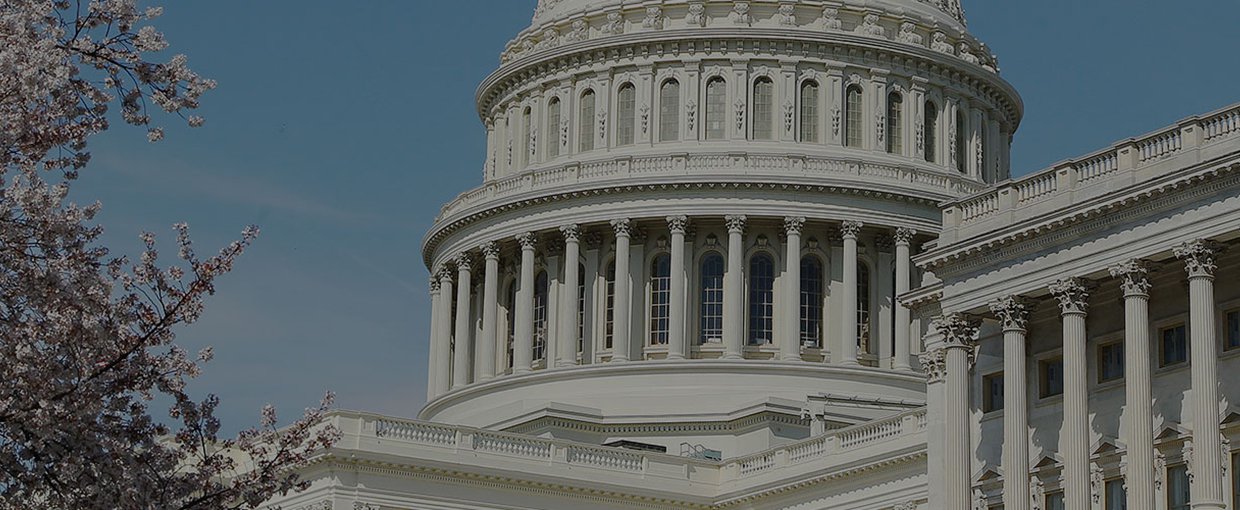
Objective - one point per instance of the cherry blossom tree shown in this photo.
(87, 339)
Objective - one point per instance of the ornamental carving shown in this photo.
(645, 116)
(1133, 277)
(740, 14)
(571, 233)
(920, 130)
(835, 120)
(787, 14)
(880, 121)
(789, 115)
(966, 54)
(445, 275)
(904, 236)
(580, 31)
(951, 141)
(697, 15)
(602, 125)
(528, 241)
(1073, 295)
(1012, 312)
(939, 43)
(909, 35)
(1160, 469)
(736, 224)
(623, 227)
(851, 229)
(615, 24)
(870, 27)
(1037, 492)
(1198, 257)
(1186, 452)
(550, 38)
(434, 284)
(1096, 482)
(490, 250)
(910, 505)
(319, 505)
(957, 330)
(358, 505)
(533, 141)
(934, 364)
(831, 21)
(678, 224)
(654, 18)
(794, 224)
(691, 113)
(464, 262)
(740, 115)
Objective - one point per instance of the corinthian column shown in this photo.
(523, 333)
(850, 230)
(733, 290)
(567, 344)
(1013, 313)
(433, 341)
(1139, 429)
(620, 343)
(790, 344)
(1198, 257)
(952, 362)
(904, 323)
(676, 345)
(443, 335)
(1073, 299)
(461, 356)
(484, 362)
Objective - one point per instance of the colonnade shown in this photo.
(463, 353)
(950, 363)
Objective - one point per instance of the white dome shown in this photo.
(948, 12)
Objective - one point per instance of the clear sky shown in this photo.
(341, 127)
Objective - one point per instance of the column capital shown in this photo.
(851, 229)
(794, 224)
(736, 223)
(1133, 277)
(434, 285)
(528, 240)
(1013, 312)
(1198, 256)
(957, 329)
(904, 236)
(623, 227)
(490, 250)
(464, 261)
(444, 273)
(934, 364)
(1073, 295)
(678, 224)
(572, 233)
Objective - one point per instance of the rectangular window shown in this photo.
(609, 321)
(763, 109)
(1116, 497)
(1235, 481)
(852, 116)
(992, 392)
(626, 122)
(1050, 377)
(1054, 501)
(1232, 338)
(1178, 495)
(716, 109)
(809, 112)
(1110, 362)
(1173, 345)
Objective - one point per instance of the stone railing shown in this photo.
(1191, 141)
(754, 167)
(469, 445)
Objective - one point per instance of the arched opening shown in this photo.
(711, 307)
(716, 109)
(764, 109)
(931, 130)
(553, 127)
(863, 307)
(895, 123)
(669, 111)
(626, 120)
(660, 299)
(609, 315)
(761, 299)
(586, 122)
(961, 141)
(852, 117)
(809, 112)
(540, 315)
(811, 301)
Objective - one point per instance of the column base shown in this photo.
(1209, 505)
(521, 370)
(675, 356)
(565, 364)
(791, 358)
(733, 356)
(850, 363)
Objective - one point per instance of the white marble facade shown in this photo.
(767, 254)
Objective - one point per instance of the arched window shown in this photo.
(716, 109)
(609, 320)
(553, 127)
(895, 123)
(660, 299)
(863, 306)
(809, 111)
(764, 109)
(811, 301)
(586, 121)
(961, 140)
(511, 304)
(581, 308)
(852, 117)
(527, 124)
(540, 315)
(712, 298)
(669, 111)
(761, 299)
(626, 120)
(931, 130)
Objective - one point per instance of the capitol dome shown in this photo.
(695, 216)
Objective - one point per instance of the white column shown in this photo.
(952, 362)
(523, 341)
(432, 371)
(790, 344)
(1207, 486)
(1013, 314)
(484, 358)
(733, 291)
(462, 353)
(443, 359)
(904, 323)
(848, 354)
(676, 345)
(1138, 431)
(1073, 299)
(621, 343)
(567, 343)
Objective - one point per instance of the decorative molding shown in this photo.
(1072, 294)
(1012, 312)
(1134, 277)
(678, 224)
(934, 364)
(794, 224)
(904, 236)
(571, 233)
(851, 229)
(736, 224)
(1199, 258)
(527, 240)
(623, 227)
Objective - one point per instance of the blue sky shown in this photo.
(341, 127)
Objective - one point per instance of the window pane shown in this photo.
(712, 298)
(626, 122)
(581, 308)
(1233, 330)
(1054, 501)
(931, 130)
(553, 128)
(863, 306)
(669, 111)
(716, 109)
(1177, 488)
(1174, 345)
(992, 396)
(527, 123)
(961, 140)
(763, 109)
(610, 318)
(660, 299)
(811, 302)
(1235, 481)
(809, 112)
(586, 122)
(761, 299)
(852, 117)
(1116, 497)
(1051, 382)
(1110, 362)
(895, 123)
(511, 304)
(540, 316)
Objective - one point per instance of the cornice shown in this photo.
(733, 425)
(916, 454)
